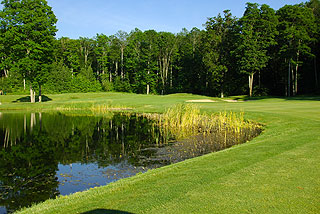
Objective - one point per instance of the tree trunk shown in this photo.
(222, 85)
(289, 78)
(6, 73)
(293, 81)
(171, 77)
(116, 68)
(259, 79)
(40, 95)
(148, 74)
(316, 73)
(122, 73)
(251, 84)
(296, 80)
(162, 75)
(85, 60)
(222, 91)
(32, 97)
(24, 84)
(295, 74)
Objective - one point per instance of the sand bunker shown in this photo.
(201, 101)
(212, 101)
(233, 101)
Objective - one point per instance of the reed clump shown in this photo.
(183, 121)
(190, 133)
(107, 108)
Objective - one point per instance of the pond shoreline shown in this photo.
(279, 161)
(72, 177)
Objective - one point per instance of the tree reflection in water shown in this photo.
(47, 154)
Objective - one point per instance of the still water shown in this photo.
(44, 155)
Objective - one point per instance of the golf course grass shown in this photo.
(277, 172)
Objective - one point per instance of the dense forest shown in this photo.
(265, 52)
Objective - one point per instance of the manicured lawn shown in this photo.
(277, 172)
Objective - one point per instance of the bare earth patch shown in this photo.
(201, 101)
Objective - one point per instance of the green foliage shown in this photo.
(81, 84)
(62, 80)
(121, 85)
(105, 82)
(67, 51)
(297, 28)
(215, 61)
(28, 30)
(12, 84)
(219, 41)
(259, 91)
(102, 50)
(59, 80)
(256, 37)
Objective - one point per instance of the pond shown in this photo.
(44, 155)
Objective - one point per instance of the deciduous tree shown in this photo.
(218, 47)
(257, 34)
(296, 27)
(29, 29)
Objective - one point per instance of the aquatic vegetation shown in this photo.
(113, 145)
(184, 121)
(103, 108)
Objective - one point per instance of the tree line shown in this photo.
(265, 52)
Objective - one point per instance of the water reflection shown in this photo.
(44, 155)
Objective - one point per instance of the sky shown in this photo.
(86, 18)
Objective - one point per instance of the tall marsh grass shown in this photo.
(183, 121)
(195, 134)
(186, 120)
(103, 108)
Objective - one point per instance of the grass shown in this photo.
(185, 120)
(277, 172)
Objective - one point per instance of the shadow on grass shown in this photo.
(27, 99)
(311, 98)
(299, 97)
(103, 211)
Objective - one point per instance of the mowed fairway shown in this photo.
(277, 172)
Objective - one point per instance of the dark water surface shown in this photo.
(43, 155)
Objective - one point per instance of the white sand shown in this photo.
(233, 101)
(201, 101)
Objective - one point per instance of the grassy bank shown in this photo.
(98, 101)
(277, 172)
